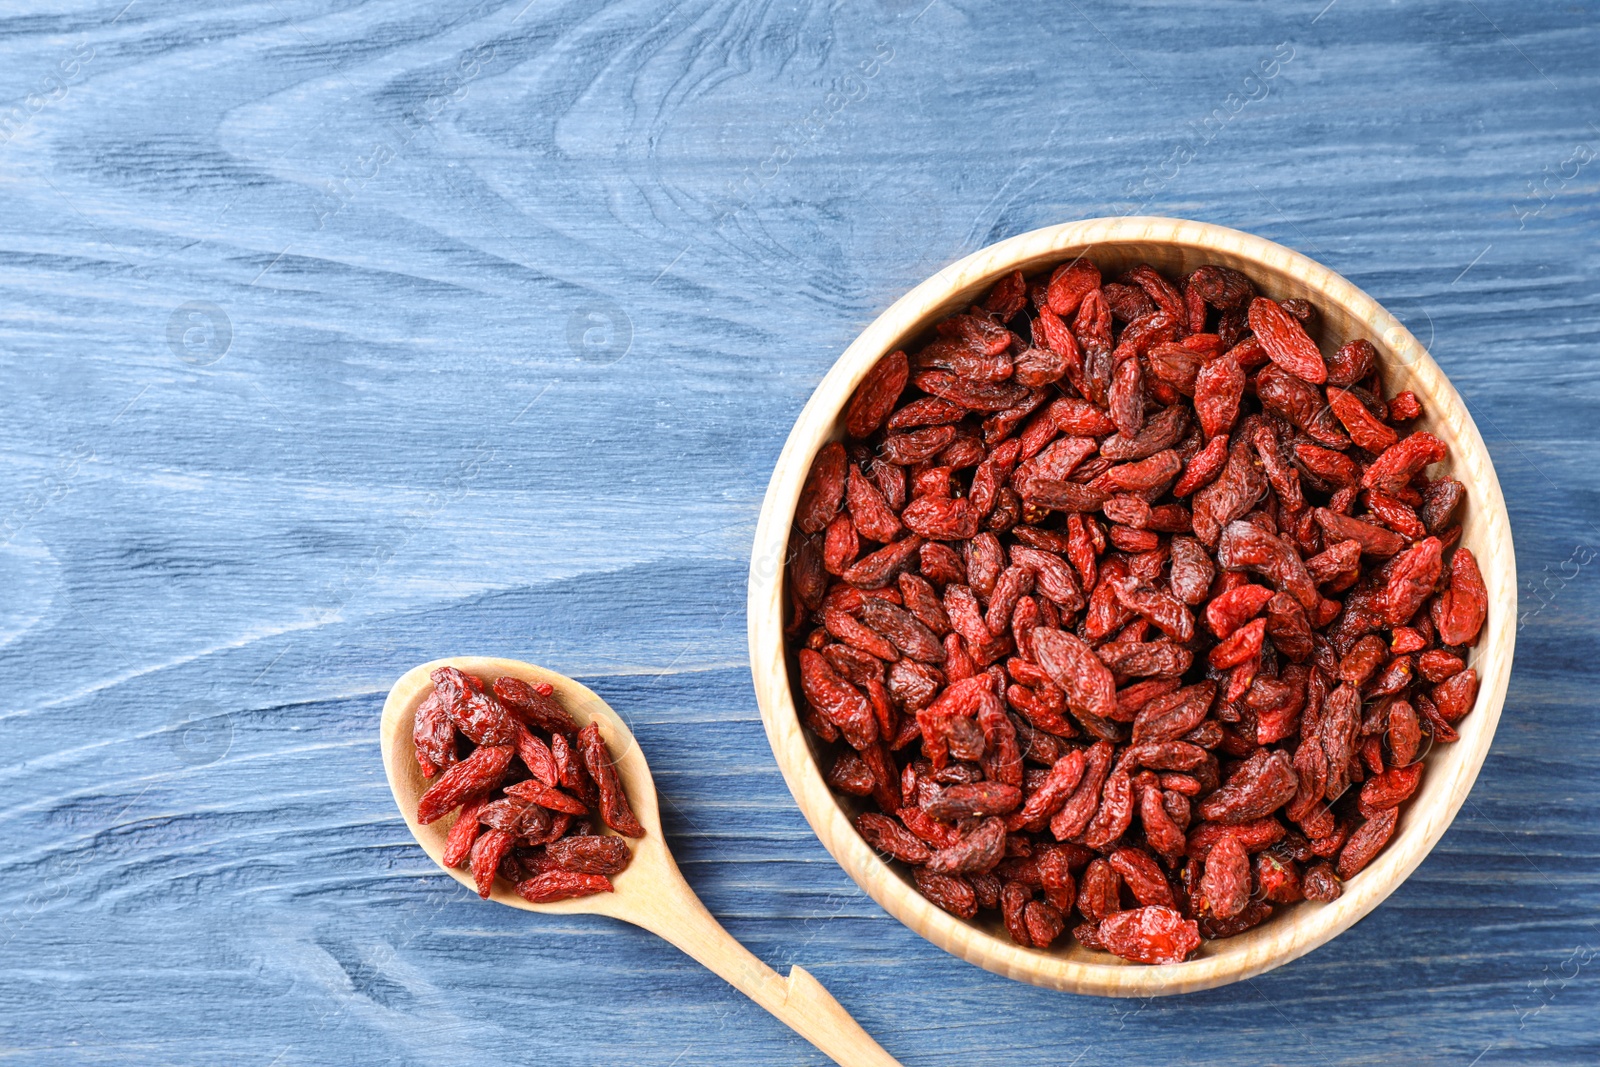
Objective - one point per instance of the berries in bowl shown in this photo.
(1123, 598)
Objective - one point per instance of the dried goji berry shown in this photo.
(1152, 934)
(475, 713)
(1246, 546)
(823, 489)
(1044, 921)
(1365, 843)
(1404, 733)
(1454, 696)
(1352, 362)
(1320, 883)
(614, 806)
(917, 446)
(1253, 836)
(1461, 609)
(1300, 404)
(1364, 428)
(1115, 813)
(1286, 341)
(487, 852)
(1260, 786)
(1278, 879)
(1072, 665)
(1169, 717)
(1436, 664)
(885, 834)
(1099, 894)
(552, 886)
(433, 736)
(536, 792)
(1230, 610)
(1070, 283)
(876, 395)
(569, 765)
(1412, 577)
(950, 892)
(1395, 514)
(878, 569)
(1014, 898)
(1402, 461)
(1142, 875)
(1389, 789)
(1234, 492)
(1055, 877)
(837, 701)
(473, 776)
(1405, 406)
(1225, 885)
(1251, 916)
(962, 801)
(463, 832)
(535, 708)
(869, 511)
(850, 774)
(1222, 287)
(590, 854)
(1439, 502)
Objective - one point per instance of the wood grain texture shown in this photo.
(1176, 247)
(213, 568)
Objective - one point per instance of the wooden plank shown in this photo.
(417, 222)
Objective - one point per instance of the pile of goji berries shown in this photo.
(1119, 598)
(529, 788)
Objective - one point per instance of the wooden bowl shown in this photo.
(1175, 247)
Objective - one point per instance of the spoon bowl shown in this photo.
(651, 892)
(651, 860)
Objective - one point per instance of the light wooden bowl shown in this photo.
(1175, 247)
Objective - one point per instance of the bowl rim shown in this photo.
(1274, 943)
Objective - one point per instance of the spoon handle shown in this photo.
(800, 1001)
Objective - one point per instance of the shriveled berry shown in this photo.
(876, 395)
(1277, 878)
(1462, 607)
(473, 776)
(1389, 789)
(590, 854)
(487, 852)
(552, 886)
(536, 707)
(823, 489)
(433, 736)
(1225, 885)
(948, 891)
(1286, 341)
(1070, 284)
(1365, 843)
(614, 806)
(472, 711)
(1454, 696)
(1142, 875)
(1321, 884)
(463, 832)
(887, 835)
(1152, 934)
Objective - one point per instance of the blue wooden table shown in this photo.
(337, 337)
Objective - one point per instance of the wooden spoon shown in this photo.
(651, 893)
